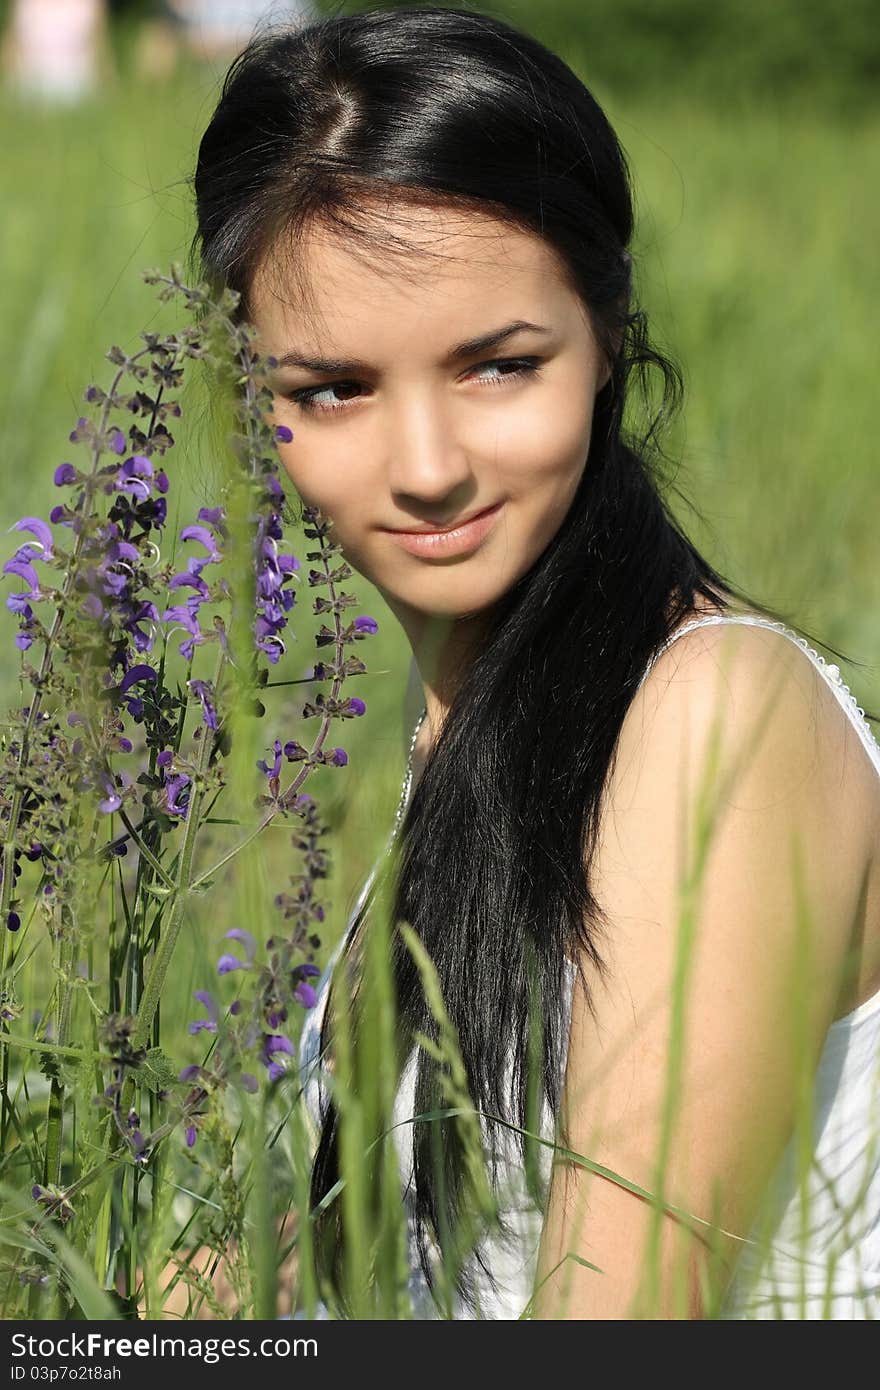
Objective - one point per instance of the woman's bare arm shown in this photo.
(780, 725)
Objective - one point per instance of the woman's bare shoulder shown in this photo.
(762, 691)
(735, 722)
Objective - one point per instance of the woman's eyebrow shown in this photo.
(483, 343)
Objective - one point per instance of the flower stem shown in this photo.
(55, 1119)
(289, 794)
(145, 851)
(161, 961)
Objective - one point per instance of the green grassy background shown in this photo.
(756, 262)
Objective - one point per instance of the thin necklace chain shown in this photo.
(407, 781)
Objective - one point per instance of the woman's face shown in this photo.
(411, 427)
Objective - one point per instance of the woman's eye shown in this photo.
(309, 397)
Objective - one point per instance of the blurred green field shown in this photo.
(756, 255)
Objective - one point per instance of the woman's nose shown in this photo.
(426, 458)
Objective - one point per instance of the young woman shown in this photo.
(427, 216)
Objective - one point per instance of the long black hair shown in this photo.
(456, 108)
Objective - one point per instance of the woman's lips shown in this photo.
(439, 544)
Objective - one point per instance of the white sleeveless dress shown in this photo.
(827, 1266)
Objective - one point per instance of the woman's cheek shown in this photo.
(288, 463)
(549, 436)
(306, 481)
(340, 511)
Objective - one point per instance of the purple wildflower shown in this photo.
(275, 1044)
(38, 528)
(228, 962)
(209, 1024)
(20, 566)
(202, 534)
(112, 800)
(133, 676)
(175, 786)
(191, 1072)
(138, 1145)
(273, 772)
(186, 615)
(133, 477)
(304, 993)
(273, 572)
(206, 695)
(247, 939)
(214, 516)
(92, 607)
